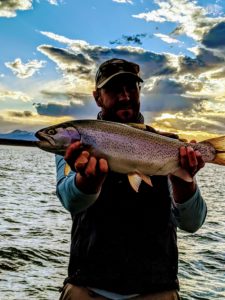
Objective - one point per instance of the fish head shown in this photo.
(57, 139)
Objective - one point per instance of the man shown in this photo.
(123, 243)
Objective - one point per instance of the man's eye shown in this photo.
(131, 86)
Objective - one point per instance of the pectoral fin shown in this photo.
(135, 180)
(66, 169)
(183, 174)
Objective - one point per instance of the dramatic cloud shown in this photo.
(205, 61)
(192, 20)
(73, 109)
(155, 101)
(213, 39)
(9, 120)
(79, 98)
(25, 70)
(172, 83)
(193, 122)
(81, 60)
(68, 61)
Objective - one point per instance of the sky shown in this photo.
(50, 51)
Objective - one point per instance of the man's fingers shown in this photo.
(103, 166)
(183, 157)
(91, 167)
(81, 162)
(192, 160)
(200, 160)
(71, 150)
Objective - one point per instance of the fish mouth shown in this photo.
(45, 139)
(45, 142)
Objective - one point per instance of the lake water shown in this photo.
(35, 232)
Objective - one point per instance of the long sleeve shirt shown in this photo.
(188, 216)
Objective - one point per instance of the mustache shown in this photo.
(124, 105)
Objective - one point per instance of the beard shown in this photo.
(122, 112)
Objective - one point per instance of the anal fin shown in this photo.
(135, 180)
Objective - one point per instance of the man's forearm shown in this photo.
(182, 190)
(70, 196)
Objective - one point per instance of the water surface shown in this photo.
(35, 232)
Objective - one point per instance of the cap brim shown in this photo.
(116, 74)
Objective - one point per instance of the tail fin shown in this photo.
(219, 144)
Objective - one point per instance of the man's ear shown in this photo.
(97, 97)
(139, 87)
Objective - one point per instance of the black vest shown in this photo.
(126, 241)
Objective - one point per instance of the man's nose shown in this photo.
(124, 94)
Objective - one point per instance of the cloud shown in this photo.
(154, 100)
(205, 61)
(25, 70)
(8, 8)
(135, 39)
(167, 38)
(191, 19)
(14, 95)
(213, 39)
(24, 114)
(173, 83)
(73, 109)
(123, 1)
(192, 122)
(62, 39)
(53, 2)
(11, 120)
(214, 9)
(80, 98)
(80, 60)
(68, 61)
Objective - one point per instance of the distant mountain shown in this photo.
(19, 135)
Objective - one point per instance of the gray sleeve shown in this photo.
(69, 195)
(190, 215)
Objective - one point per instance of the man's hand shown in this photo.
(90, 171)
(190, 160)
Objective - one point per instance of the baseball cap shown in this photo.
(115, 67)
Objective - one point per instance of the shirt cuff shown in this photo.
(189, 202)
(75, 192)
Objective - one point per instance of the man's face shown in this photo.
(119, 99)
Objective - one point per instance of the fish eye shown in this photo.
(51, 131)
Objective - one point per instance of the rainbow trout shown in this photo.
(129, 150)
